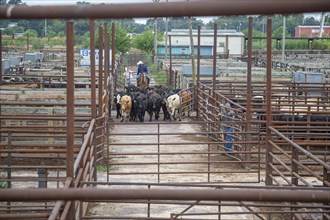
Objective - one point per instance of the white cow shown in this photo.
(126, 106)
(173, 103)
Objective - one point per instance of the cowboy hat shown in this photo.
(139, 63)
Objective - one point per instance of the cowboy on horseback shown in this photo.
(142, 69)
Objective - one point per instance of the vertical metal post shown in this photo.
(0, 62)
(42, 175)
(94, 141)
(155, 41)
(198, 68)
(208, 163)
(249, 95)
(227, 47)
(170, 70)
(149, 204)
(215, 55)
(198, 54)
(269, 159)
(106, 66)
(166, 35)
(9, 162)
(113, 53)
(92, 57)
(27, 42)
(283, 39)
(326, 177)
(100, 72)
(70, 97)
(108, 150)
(158, 150)
(70, 105)
(0, 74)
(294, 166)
(106, 56)
(219, 210)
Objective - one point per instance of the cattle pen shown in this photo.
(63, 154)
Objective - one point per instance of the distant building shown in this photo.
(229, 43)
(311, 31)
(12, 24)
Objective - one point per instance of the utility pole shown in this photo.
(45, 27)
(192, 51)
(155, 37)
(166, 33)
(322, 24)
(283, 38)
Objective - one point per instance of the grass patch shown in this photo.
(101, 168)
(160, 77)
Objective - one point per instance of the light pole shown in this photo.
(155, 37)
(166, 32)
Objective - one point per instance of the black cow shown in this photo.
(154, 104)
(134, 96)
(116, 100)
(141, 106)
(131, 88)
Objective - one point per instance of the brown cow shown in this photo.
(126, 106)
(185, 101)
(179, 102)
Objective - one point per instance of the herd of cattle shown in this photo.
(133, 102)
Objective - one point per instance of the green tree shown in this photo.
(81, 27)
(15, 2)
(11, 2)
(31, 33)
(123, 41)
(233, 22)
(279, 31)
(311, 21)
(145, 41)
(13, 30)
(83, 3)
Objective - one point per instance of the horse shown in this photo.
(143, 82)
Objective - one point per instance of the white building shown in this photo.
(228, 41)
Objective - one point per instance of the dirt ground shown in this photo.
(163, 211)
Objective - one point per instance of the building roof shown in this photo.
(206, 32)
(311, 26)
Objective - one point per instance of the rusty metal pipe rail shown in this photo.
(27, 145)
(84, 145)
(32, 167)
(185, 143)
(173, 9)
(171, 194)
(301, 165)
(217, 203)
(21, 131)
(182, 153)
(48, 104)
(305, 152)
(24, 216)
(55, 212)
(215, 185)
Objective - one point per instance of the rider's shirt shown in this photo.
(142, 69)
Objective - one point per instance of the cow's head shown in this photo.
(118, 98)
